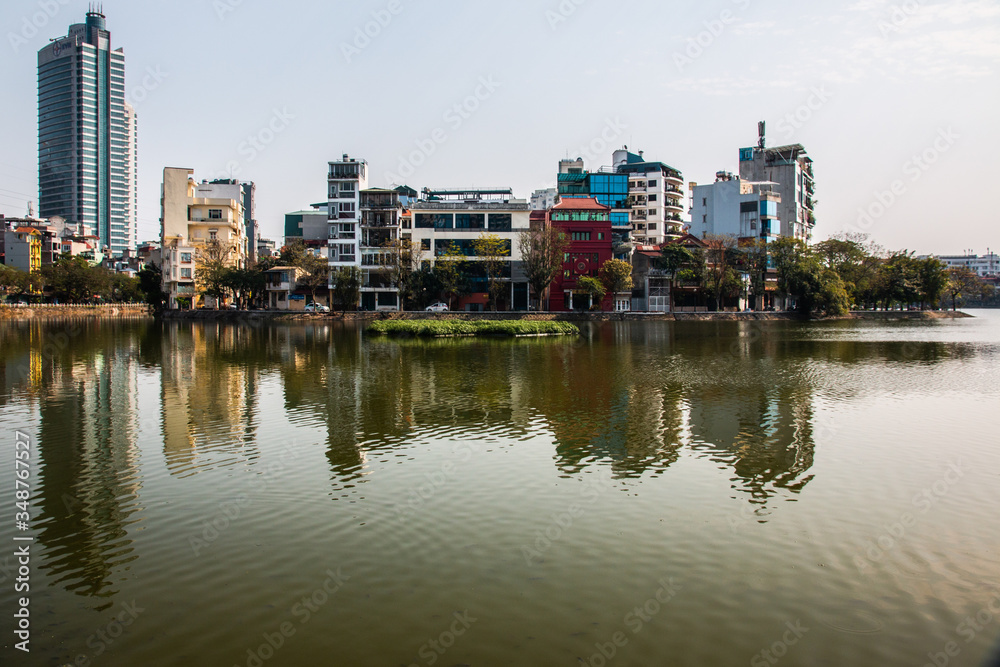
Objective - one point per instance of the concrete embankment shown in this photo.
(58, 311)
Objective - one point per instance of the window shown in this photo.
(470, 221)
(651, 227)
(704, 201)
(652, 212)
(186, 273)
(500, 222)
(185, 257)
(652, 184)
(652, 197)
(425, 244)
(434, 221)
(704, 218)
(215, 214)
(213, 235)
(600, 236)
(565, 257)
(581, 236)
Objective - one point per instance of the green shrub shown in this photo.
(469, 328)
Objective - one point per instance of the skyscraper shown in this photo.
(87, 134)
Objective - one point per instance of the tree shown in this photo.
(594, 287)
(720, 278)
(347, 287)
(14, 281)
(932, 277)
(800, 272)
(317, 273)
(754, 260)
(542, 253)
(492, 252)
(616, 274)
(832, 297)
(151, 286)
(74, 280)
(124, 288)
(425, 288)
(449, 271)
(961, 283)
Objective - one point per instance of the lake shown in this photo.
(649, 493)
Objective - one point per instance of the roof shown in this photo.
(283, 268)
(28, 230)
(686, 239)
(580, 204)
(645, 167)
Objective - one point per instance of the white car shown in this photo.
(317, 308)
(438, 307)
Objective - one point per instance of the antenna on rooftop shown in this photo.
(760, 134)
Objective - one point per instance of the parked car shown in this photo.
(438, 307)
(317, 308)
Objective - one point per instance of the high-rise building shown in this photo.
(87, 134)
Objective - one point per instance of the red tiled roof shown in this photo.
(580, 204)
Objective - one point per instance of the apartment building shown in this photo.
(199, 223)
(732, 206)
(445, 218)
(790, 169)
(586, 224)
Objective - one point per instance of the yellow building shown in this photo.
(23, 247)
(201, 223)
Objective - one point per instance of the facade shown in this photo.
(736, 207)
(249, 197)
(985, 266)
(282, 283)
(656, 200)
(543, 200)
(23, 249)
(645, 197)
(199, 223)
(346, 179)
(459, 217)
(790, 169)
(311, 226)
(587, 224)
(609, 189)
(266, 248)
(381, 220)
(87, 134)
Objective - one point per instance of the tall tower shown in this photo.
(87, 134)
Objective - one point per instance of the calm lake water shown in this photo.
(648, 494)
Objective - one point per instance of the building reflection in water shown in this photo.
(83, 378)
(209, 392)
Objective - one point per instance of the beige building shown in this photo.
(200, 223)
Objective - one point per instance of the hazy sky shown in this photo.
(896, 102)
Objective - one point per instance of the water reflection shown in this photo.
(83, 378)
(626, 397)
(208, 396)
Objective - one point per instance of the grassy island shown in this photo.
(440, 328)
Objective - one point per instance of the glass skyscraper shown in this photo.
(87, 135)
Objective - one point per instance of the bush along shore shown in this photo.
(447, 328)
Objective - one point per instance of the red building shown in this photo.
(587, 225)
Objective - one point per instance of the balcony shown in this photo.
(638, 215)
(346, 236)
(676, 190)
(343, 259)
(673, 205)
(673, 179)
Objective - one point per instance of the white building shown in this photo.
(791, 169)
(736, 207)
(459, 217)
(345, 181)
(543, 200)
(656, 197)
(981, 265)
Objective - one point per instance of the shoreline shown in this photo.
(367, 316)
(132, 311)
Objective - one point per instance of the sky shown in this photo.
(895, 102)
